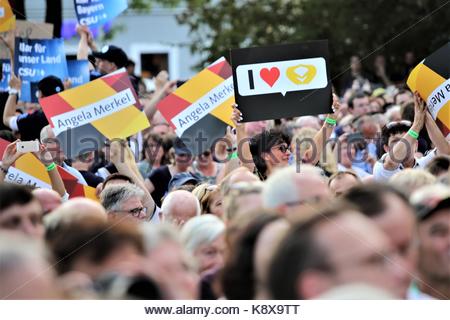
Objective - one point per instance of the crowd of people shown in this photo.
(350, 205)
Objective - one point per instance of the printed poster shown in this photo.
(200, 110)
(35, 59)
(282, 81)
(431, 78)
(95, 13)
(85, 117)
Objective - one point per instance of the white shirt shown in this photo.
(382, 174)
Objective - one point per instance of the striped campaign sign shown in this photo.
(83, 118)
(28, 170)
(200, 110)
(431, 78)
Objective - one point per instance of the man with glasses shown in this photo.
(124, 201)
(400, 143)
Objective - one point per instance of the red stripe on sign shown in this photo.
(3, 144)
(171, 106)
(53, 106)
(120, 82)
(217, 67)
(444, 129)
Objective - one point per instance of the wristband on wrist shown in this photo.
(413, 134)
(234, 155)
(330, 121)
(51, 166)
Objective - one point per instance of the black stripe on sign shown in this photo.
(250, 79)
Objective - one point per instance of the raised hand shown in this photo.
(10, 155)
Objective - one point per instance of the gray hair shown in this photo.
(156, 234)
(113, 196)
(281, 187)
(201, 230)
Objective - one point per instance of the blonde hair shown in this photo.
(205, 193)
(409, 180)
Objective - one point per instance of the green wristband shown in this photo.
(413, 134)
(51, 166)
(234, 155)
(330, 121)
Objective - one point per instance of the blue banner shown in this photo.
(5, 74)
(78, 72)
(35, 59)
(95, 13)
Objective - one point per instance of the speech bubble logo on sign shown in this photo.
(282, 76)
(282, 81)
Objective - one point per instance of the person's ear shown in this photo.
(386, 148)
(312, 283)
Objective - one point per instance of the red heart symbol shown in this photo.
(270, 76)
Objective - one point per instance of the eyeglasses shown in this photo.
(282, 147)
(392, 124)
(135, 212)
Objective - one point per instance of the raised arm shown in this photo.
(10, 155)
(403, 149)
(323, 134)
(158, 96)
(55, 178)
(11, 103)
(435, 134)
(243, 141)
(122, 158)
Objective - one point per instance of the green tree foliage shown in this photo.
(363, 27)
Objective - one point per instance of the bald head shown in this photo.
(48, 198)
(179, 206)
(75, 210)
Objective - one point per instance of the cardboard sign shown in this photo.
(29, 30)
(35, 59)
(5, 74)
(7, 17)
(78, 71)
(282, 81)
(29, 170)
(200, 110)
(95, 13)
(431, 78)
(83, 118)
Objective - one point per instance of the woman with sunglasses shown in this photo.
(270, 150)
(206, 168)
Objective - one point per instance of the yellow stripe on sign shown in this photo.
(31, 165)
(90, 193)
(412, 78)
(427, 80)
(199, 85)
(224, 111)
(90, 93)
(122, 124)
